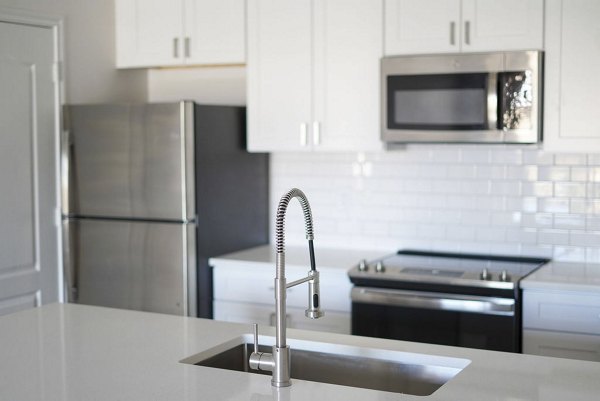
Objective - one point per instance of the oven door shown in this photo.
(460, 320)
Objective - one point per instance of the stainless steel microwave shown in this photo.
(486, 97)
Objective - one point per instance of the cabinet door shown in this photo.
(279, 74)
(572, 84)
(148, 33)
(214, 31)
(347, 49)
(422, 26)
(561, 345)
(491, 25)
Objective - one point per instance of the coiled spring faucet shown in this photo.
(278, 362)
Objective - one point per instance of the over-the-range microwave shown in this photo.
(484, 97)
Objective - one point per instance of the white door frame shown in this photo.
(56, 24)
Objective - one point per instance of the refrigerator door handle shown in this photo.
(70, 266)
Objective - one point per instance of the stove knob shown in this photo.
(485, 275)
(379, 267)
(504, 276)
(363, 266)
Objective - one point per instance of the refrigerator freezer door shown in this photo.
(133, 265)
(131, 161)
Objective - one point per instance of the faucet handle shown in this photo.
(255, 329)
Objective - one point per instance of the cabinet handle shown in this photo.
(316, 133)
(452, 33)
(303, 134)
(187, 46)
(468, 32)
(176, 47)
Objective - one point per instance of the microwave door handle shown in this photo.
(494, 97)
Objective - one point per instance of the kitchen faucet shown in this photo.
(278, 361)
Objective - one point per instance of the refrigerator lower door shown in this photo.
(144, 266)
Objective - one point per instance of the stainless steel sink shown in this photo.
(375, 369)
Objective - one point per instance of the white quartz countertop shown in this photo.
(564, 276)
(295, 256)
(75, 352)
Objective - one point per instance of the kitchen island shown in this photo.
(76, 352)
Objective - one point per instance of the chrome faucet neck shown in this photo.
(279, 360)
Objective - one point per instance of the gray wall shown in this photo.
(89, 49)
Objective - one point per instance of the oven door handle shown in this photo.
(435, 301)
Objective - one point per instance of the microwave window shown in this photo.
(438, 101)
(440, 107)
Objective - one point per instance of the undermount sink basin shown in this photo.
(369, 368)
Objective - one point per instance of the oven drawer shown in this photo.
(437, 318)
(562, 311)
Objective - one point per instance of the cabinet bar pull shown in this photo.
(468, 32)
(316, 133)
(176, 47)
(452, 33)
(187, 46)
(303, 134)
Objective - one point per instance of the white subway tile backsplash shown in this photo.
(526, 173)
(509, 188)
(580, 174)
(554, 205)
(570, 159)
(476, 156)
(583, 238)
(570, 189)
(493, 172)
(592, 255)
(475, 218)
(507, 156)
(594, 174)
(537, 220)
(553, 173)
(539, 189)
(522, 235)
(594, 159)
(553, 237)
(538, 158)
(475, 187)
(569, 221)
(505, 199)
(490, 234)
(569, 253)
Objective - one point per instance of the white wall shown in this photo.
(504, 199)
(89, 39)
(208, 85)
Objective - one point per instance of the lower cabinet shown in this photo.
(244, 293)
(243, 312)
(564, 324)
(561, 345)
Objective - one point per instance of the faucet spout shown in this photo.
(279, 360)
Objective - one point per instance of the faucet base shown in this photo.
(281, 375)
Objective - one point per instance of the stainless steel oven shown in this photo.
(487, 97)
(451, 299)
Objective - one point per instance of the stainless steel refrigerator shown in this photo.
(150, 192)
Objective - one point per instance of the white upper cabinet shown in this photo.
(215, 30)
(156, 33)
(422, 26)
(451, 26)
(148, 32)
(492, 25)
(572, 62)
(313, 75)
(279, 74)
